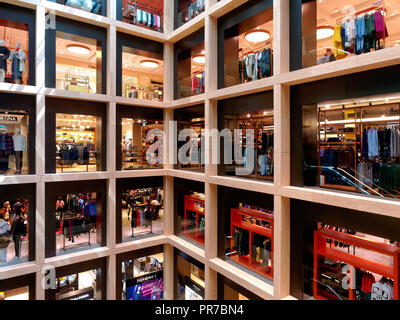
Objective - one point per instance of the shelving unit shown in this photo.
(260, 124)
(239, 220)
(194, 203)
(322, 250)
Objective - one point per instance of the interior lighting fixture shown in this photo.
(257, 35)
(78, 49)
(200, 59)
(149, 64)
(325, 32)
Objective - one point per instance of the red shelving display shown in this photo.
(323, 239)
(256, 223)
(194, 204)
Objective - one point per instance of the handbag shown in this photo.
(4, 242)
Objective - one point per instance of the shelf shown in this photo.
(258, 268)
(266, 232)
(357, 262)
(339, 187)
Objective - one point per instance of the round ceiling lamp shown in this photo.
(200, 59)
(78, 49)
(258, 35)
(149, 64)
(325, 32)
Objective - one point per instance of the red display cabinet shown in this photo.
(194, 217)
(240, 220)
(324, 240)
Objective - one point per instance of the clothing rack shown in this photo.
(267, 45)
(133, 5)
(379, 7)
(146, 7)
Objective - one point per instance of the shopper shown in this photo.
(4, 239)
(18, 231)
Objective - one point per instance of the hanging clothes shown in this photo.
(338, 43)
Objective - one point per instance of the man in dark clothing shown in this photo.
(18, 232)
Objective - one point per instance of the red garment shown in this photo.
(380, 26)
(195, 81)
(367, 282)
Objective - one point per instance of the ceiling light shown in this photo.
(78, 49)
(324, 32)
(150, 64)
(199, 59)
(257, 35)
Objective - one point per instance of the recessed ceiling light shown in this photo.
(199, 59)
(257, 35)
(150, 64)
(325, 32)
(78, 49)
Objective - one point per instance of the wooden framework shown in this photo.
(280, 82)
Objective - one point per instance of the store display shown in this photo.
(143, 208)
(349, 266)
(79, 286)
(198, 82)
(143, 278)
(192, 290)
(93, 6)
(189, 9)
(152, 92)
(359, 149)
(263, 125)
(18, 57)
(194, 154)
(76, 142)
(4, 55)
(140, 13)
(79, 62)
(252, 239)
(137, 136)
(13, 228)
(255, 64)
(360, 33)
(194, 217)
(13, 144)
(19, 148)
(76, 215)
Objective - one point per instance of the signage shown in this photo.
(193, 291)
(147, 287)
(83, 294)
(10, 118)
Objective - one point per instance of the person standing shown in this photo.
(18, 231)
(4, 241)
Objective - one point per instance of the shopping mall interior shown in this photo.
(110, 178)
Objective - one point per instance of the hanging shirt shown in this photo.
(360, 34)
(337, 41)
(380, 26)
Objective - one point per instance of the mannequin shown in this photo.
(19, 148)
(4, 54)
(17, 58)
